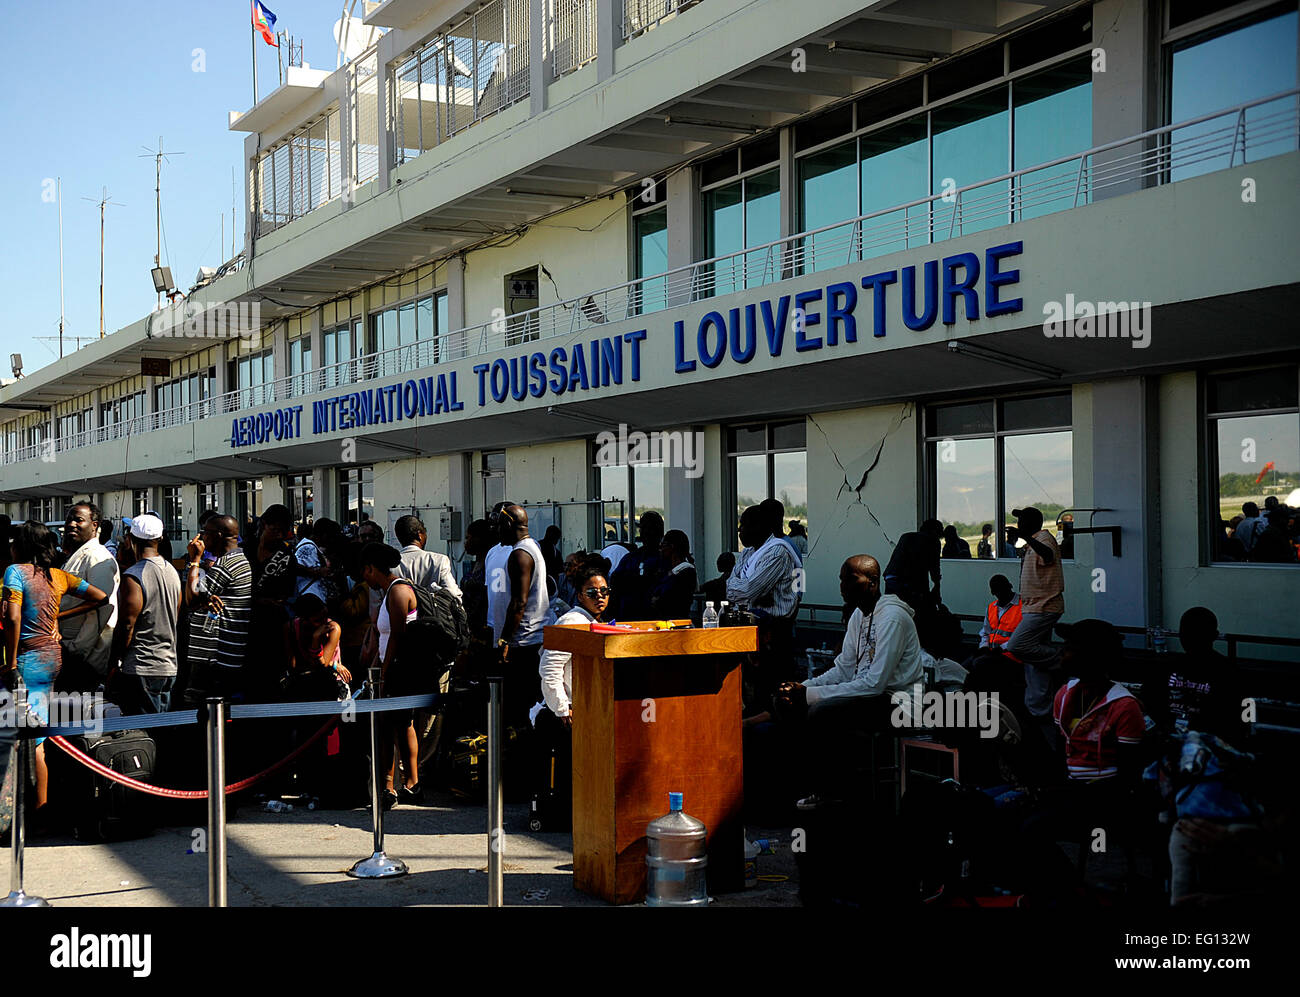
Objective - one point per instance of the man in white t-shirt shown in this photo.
(88, 638)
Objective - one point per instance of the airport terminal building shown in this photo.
(882, 261)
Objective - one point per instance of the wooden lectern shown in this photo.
(654, 712)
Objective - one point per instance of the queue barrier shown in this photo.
(214, 714)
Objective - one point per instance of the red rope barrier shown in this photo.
(188, 794)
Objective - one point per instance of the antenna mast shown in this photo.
(103, 203)
(60, 192)
(158, 158)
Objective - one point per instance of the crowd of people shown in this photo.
(302, 611)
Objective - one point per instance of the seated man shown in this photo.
(991, 666)
(880, 655)
(715, 589)
(1102, 725)
(1200, 691)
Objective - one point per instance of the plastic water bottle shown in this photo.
(675, 859)
(210, 623)
(710, 620)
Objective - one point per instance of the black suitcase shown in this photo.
(97, 808)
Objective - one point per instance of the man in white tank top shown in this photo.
(527, 612)
(495, 576)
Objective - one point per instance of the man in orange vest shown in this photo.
(1002, 616)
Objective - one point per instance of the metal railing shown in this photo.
(1262, 127)
(300, 173)
(640, 16)
(571, 35)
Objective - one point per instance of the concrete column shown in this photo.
(683, 231)
(251, 144)
(280, 351)
(609, 35)
(1125, 469)
(322, 499)
(684, 496)
(1125, 98)
(383, 79)
(346, 138)
(539, 55)
(456, 318)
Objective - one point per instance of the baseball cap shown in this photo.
(145, 527)
(1092, 634)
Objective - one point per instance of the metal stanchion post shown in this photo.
(18, 760)
(216, 719)
(378, 865)
(496, 834)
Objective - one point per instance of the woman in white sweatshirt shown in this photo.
(556, 667)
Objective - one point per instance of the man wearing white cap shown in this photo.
(145, 638)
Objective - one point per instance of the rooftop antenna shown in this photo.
(59, 182)
(103, 203)
(158, 158)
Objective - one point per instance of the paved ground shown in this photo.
(300, 859)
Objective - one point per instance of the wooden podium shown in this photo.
(654, 712)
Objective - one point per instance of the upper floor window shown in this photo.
(300, 383)
(183, 391)
(419, 321)
(742, 208)
(988, 457)
(1224, 65)
(649, 246)
(1253, 436)
(1031, 117)
(251, 375)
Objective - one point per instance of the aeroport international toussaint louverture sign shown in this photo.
(819, 318)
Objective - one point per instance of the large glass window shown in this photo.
(650, 234)
(739, 213)
(341, 348)
(1053, 118)
(173, 512)
(970, 142)
(356, 495)
(1235, 63)
(248, 506)
(769, 460)
(300, 366)
(893, 171)
(298, 495)
(1021, 119)
(626, 492)
(989, 457)
(1254, 442)
(208, 497)
(252, 376)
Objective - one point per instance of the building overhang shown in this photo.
(300, 85)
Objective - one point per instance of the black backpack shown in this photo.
(440, 628)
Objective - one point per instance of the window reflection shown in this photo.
(1038, 470)
(964, 486)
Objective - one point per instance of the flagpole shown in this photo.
(252, 37)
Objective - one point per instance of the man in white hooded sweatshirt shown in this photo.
(880, 655)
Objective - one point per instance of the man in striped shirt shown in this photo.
(221, 604)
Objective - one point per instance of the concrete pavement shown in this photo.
(300, 859)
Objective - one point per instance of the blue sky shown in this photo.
(89, 87)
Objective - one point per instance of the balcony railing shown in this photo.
(640, 16)
(1245, 133)
(571, 35)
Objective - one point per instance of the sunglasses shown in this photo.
(594, 593)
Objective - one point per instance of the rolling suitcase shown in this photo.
(97, 808)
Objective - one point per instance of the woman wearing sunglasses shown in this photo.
(556, 666)
(553, 779)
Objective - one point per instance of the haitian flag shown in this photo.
(263, 22)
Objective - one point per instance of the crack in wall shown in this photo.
(904, 413)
